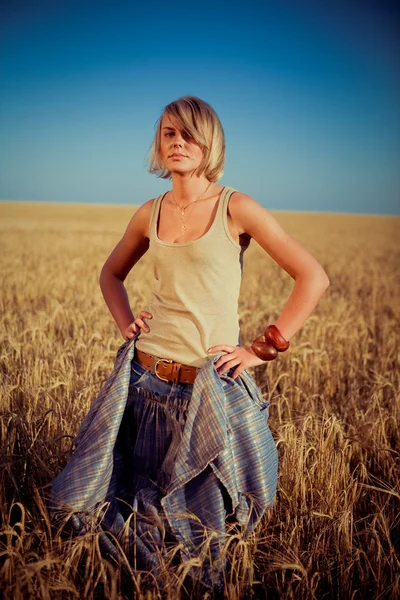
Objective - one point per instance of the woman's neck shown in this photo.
(187, 189)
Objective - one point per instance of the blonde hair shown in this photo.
(201, 122)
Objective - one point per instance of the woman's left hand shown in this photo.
(240, 357)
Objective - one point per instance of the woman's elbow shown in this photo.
(315, 274)
(108, 274)
(102, 277)
(317, 277)
(104, 270)
(322, 283)
(105, 275)
(318, 274)
(323, 279)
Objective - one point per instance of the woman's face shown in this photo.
(179, 152)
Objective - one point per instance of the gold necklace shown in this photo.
(184, 218)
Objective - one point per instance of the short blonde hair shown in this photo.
(201, 122)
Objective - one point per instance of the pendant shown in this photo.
(183, 228)
(183, 213)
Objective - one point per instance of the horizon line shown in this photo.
(126, 204)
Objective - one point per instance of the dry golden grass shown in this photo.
(334, 530)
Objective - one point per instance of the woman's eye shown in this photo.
(186, 136)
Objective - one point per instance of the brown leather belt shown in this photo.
(165, 368)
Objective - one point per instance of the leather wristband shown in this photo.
(274, 337)
(268, 345)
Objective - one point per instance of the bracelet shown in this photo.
(268, 345)
(263, 349)
(274, 337)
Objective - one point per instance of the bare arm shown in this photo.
(311, 281)
(132, 246)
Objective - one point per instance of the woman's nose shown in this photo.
(178, 139)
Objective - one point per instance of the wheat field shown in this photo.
(334, 530)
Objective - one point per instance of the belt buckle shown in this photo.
(166, 360)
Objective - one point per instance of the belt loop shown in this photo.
(176, 367)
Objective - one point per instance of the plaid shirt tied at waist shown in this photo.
(226, 428)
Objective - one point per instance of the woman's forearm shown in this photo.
(116, 298)
(301, 303)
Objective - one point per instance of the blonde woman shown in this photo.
(179, 436)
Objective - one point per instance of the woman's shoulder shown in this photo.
(245, 211)
(145, 209)
(147, 206)
(144, 214)
(140, 219)
(239, 197)
(240, 203)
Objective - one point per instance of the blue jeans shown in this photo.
(154, 419)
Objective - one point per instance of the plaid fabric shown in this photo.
(225, 450)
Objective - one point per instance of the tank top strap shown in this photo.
(223, 203)
(221, 218)
(155, 211)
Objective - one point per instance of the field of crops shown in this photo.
(334, 531)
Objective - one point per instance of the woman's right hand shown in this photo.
(139, 324)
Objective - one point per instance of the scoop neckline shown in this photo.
(157, 216)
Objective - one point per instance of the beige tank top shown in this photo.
(196, 291)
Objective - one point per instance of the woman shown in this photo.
(178, 438)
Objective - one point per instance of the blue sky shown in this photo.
(308, 93)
